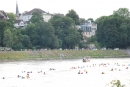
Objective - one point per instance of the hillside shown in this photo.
(62, 54)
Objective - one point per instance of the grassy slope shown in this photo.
(55, 54)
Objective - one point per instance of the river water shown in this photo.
(64, 73)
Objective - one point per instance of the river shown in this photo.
(64, 73)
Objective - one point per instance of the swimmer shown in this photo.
(103, 73)
(44, 73)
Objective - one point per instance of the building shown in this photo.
(26, 16)
(3, 15)
(89, 28)
(17, 14)
(47, 16)
(20, 24)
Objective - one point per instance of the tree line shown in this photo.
(113, 31)
(59, 32)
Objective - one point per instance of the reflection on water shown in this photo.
(65, 73)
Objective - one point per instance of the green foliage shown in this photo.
(3, 26)
(47, 38)
(91, 19)
(113, 31)
(17, 37)
(55, 54)
(26, 41)
(18, 46)
(123, 12)
(92, 39)
(82, 20)
(72, 14)
(116, 83)
(36, 18)
(31, 31)
(65, 31)
(83, 45)
(8, 38)
(11, 16)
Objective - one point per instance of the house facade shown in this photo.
(89, 28)
(20, 24)
(27, 15)
(47, 16)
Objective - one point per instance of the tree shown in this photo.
(65, 31)
(47, 38)
(91, 19)
(26, 41)
(18, 46)
(17, 39)
(100, 29)
(82, 20)
(31, 32)
(3, 26)
(128, 32)
(11, 16)
(72, 14)
(123, 12)
(8, 38)
(113, 31)
(92, 39)
(72, 39)
(123, 35)
(67, 22)
(36, 17)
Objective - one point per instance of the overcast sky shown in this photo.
(84, 8)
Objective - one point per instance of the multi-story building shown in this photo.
(89, 28)
(26, 16)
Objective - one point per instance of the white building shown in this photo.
(89, 28)
(47, 16)
(26, 16)
(20, 24)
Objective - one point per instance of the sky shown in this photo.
(84, 8)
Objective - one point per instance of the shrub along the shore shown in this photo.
(62, 54)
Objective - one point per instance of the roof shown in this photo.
(17, 21)
(3, 15)
(34, 10)
(28, 22)
(47, 14)
(59, 14)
